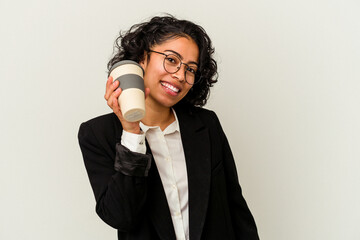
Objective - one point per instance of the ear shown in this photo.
(144, 61)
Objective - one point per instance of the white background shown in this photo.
(287, 97)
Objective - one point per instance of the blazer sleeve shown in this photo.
(118, 179)
(244, 225)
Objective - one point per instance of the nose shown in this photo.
(180, 74)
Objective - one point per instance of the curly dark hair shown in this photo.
(140, 38)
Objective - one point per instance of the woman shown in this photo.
(172, 175)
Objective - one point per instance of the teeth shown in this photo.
(171, 87)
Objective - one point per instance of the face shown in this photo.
(167, 89)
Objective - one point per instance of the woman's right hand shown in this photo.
(111, 96)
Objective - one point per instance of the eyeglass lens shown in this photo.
(172, 64)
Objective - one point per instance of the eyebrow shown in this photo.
(181, 57)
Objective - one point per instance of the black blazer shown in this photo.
(134, 201)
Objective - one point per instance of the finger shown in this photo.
(116, 109)
(110, 87)
(114, 97)
(109, 81)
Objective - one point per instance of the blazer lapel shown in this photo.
(196, 143)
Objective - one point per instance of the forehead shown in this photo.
(185, 47)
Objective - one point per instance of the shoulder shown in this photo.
(196, 115)
(101, 121)
(102, 127)
(207, 116)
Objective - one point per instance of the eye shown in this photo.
(172, 60)
(191, 69)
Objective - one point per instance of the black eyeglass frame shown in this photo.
(181, 63)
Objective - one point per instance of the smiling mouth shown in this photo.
(170, 87)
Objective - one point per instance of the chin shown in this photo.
(169, 101)
(169, 104)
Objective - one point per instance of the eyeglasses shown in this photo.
(172, 64)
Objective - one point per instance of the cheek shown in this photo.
(160, 71)
(154, 72)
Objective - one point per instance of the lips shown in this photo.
(170, 87)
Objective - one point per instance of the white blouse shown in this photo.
(167, 149)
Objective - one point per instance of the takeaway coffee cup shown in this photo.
(132, 99)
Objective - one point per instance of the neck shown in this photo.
(158, 116)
